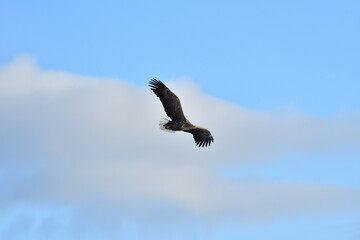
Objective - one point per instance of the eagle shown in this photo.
(178, 122)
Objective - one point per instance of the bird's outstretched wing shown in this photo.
(202, 136)
(170, 101)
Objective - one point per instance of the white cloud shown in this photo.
(68, 139)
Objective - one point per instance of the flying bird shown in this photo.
(178, 122)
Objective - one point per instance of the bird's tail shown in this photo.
(163, 121)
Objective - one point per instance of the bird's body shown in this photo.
(178, 122)
(178, 125)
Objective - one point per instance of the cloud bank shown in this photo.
(69, 140)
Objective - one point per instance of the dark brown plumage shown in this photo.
(173, 109)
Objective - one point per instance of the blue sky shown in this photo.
(276, 82)
(303, 53)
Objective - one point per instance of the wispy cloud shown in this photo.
(68, 139)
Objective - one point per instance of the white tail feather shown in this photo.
(162, 122)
